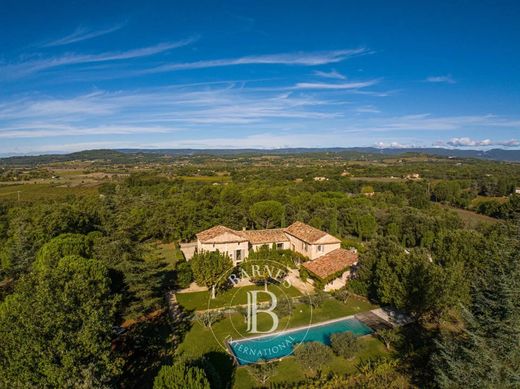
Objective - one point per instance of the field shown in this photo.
(472, 219)
(42, 191)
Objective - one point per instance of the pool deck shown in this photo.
(373, 321)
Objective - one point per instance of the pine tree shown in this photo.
(486, 354)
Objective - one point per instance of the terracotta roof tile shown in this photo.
(332, 263)
(310, 234)
(211, 235)
(264, 236)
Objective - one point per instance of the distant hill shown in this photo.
(494, 154)
(140, 155)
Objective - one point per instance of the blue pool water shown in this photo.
(251, 350)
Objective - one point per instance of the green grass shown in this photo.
(166, 252)
(471, 219)
(235, 296)
(482, 199)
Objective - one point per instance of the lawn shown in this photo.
(238, 296)
(167, 252)
(471, 219)
(201, 341)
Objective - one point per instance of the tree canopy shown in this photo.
(57, 327)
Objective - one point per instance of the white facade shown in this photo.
(237, 251)
(279, 245)
(238, 244)
(312, 251)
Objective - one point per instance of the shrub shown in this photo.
(388, 336)
(208, 318)
(315, 300)
(342, 295)
(345, 344)
(313, 355)
(263, 371)
(184, 274)
(284, 307)
(304, 274)
(180, 376)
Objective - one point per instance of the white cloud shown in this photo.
(301, 58)
(332, 74)
(345, 85)
(82, 34)
(447, 79)
(392, 145)
(468, 142)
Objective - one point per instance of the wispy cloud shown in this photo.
(229, 115)
(367, 109)
(46, 130)
(301, 58)
(158, 110)
(447, 79)
(82, 34)
(20, 69)
(428, 122)
(345, 85)
(332, 74)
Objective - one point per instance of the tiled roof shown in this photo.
(332, 263)
(264, 236)
(302, 231)
(224, 233)
(310, 234)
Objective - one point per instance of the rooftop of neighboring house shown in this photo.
(310, 234)
(332, 263)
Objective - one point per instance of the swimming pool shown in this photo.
(279, 345)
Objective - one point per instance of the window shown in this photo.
(306, 246)
(279, 246)
(320, 247)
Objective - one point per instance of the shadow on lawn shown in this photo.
(149, 344)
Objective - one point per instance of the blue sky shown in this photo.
(80, 75)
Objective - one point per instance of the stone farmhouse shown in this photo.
(327, 260)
